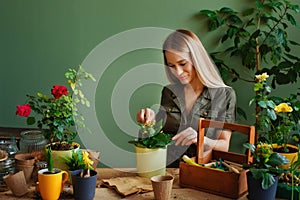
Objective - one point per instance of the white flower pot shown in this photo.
(150, 162)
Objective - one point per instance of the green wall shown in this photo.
(40, 40)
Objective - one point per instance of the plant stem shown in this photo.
(50, 160)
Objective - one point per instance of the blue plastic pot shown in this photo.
(255, 190)
(84, 188)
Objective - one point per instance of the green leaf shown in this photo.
(30, 120)
(208, 13)
(267, 181)
(262, 104)
(268, 89)
(294, 8)
(271, 113)
(282, 79)
(227, 10)
(232, 30)
(259, 5)
(291, 19)
(255, 34)
(277, 159)
(285, 65)
(258, 173)
(249, 146)
(270, 104)
(234, 19)
(224, 38)
(213, 24)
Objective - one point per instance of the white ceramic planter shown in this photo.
(150, 162)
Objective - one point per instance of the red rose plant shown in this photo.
(58, 115)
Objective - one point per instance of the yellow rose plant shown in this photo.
(277, 119)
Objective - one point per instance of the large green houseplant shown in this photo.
(256, 36)
(57, 115)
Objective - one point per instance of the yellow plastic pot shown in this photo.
(293, 157)
(51, 185)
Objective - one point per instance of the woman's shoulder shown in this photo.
(172, 88)
(228, 91)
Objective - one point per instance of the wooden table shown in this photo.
(103, 192)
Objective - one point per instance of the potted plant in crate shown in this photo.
(151, 149)
(57, 115)
(277, 119)
(51, 180)
(262, 177)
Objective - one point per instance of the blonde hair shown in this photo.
(187, 42)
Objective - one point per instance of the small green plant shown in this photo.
(151, 136)
(49, 160)
(265, 163)
(79, 160)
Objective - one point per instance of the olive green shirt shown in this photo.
(213, 103)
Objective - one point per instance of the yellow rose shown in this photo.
(283, 107)
(262, 77)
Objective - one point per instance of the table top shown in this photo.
(103, 192)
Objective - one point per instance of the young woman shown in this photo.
(196, 90)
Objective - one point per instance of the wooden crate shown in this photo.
(223, 183)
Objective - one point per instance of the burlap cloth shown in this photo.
(129, 185)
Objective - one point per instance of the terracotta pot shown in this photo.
(24, 159)
(162, 186)
(16, 183)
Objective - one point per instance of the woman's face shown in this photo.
(181, 66)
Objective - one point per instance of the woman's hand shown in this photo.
(186, 137)
(145, 115)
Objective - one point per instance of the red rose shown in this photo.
(23, 110)
(59, 90)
